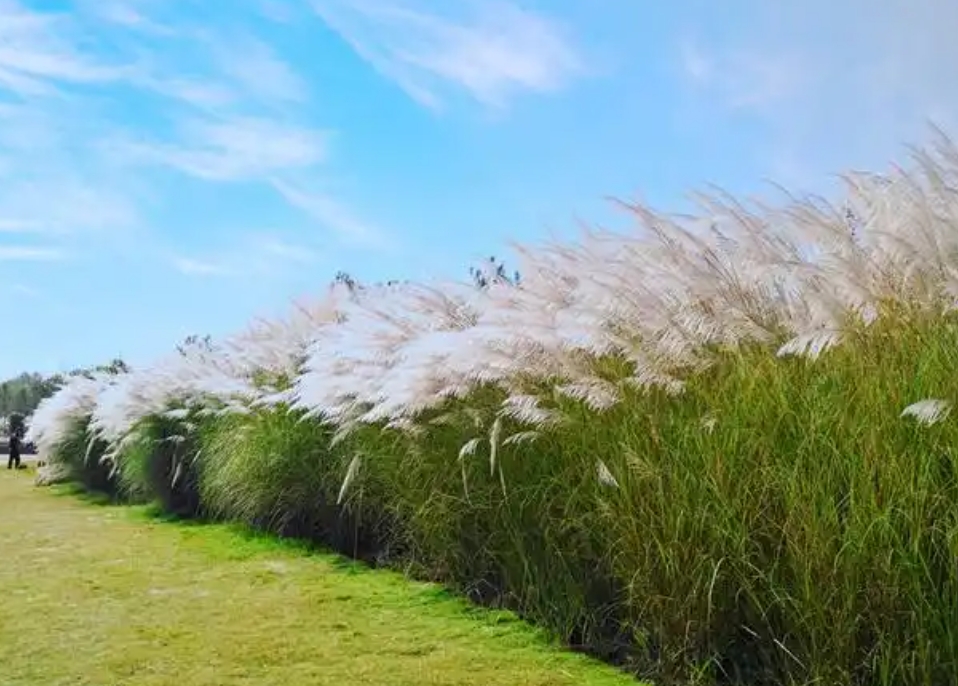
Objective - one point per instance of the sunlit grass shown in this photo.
(95, 594)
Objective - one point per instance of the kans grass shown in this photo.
(716, 449)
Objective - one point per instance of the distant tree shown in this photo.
(489, 272)
(346, 279)
(16, 425)
(113, 367)
(22, 398)
(195, 341)
(492, 272)
(24, 392)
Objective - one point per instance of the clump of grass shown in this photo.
(157, 463)
(781, 521)
(81, 456)
(778, 522)
(511, 525)
(279, 472)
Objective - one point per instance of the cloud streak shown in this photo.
(237, 148)
(490, 51)
(831, 81)
(258, 71)
(40, 51)
(259, 253)
(222, 106)
(330, 213)
(196, 267)
(740, 79)
(25, 253)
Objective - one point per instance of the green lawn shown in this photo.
(103, 595)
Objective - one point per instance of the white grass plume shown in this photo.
(660, 299)
(56, 416)
(929, 411)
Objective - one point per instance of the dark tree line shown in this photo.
(23, 393)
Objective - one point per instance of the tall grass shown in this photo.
(79, 455)
(274, 471)
(781, 519)
(718, 450)
(157, 462)
(61, 428)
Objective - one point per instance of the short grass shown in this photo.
(96, 594)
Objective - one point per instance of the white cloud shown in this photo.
(258, 70)
(236, 148)
(75, 163)
(20, 226)
(25, 253)
(195, 267)
(490, 51)
(331, 214)
(259, 253)
(276, 10)
(833, 81)
(289, 252)
(38, 50)
(742, 79)
(22, 289)
(124, 13)
(202, 94)
(697, 66)
(51, 180)
(66, 205)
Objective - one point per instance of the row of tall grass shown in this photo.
(717, 450)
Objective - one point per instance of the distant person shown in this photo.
(14, 460)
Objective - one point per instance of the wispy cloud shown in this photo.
(222, 105)
(289, 252)
(20, 226)
(257, 253)
(52, 181)
(24, 290)
(37, 51)
(25, 253)
(742, 79)
(195, 267)
(832, 81)
(258, 71)
(127, 14)
(65, 204)
(237, 148)
(203, 95)
(331, 214)
(491, 51)
(276, 10)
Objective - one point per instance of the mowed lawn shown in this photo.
(102, 595)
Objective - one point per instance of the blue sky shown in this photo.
(170, 167)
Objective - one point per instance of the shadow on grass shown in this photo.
(246, 542)
(265, 541)
(258, 542)
(85, 495)
(260, 539)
